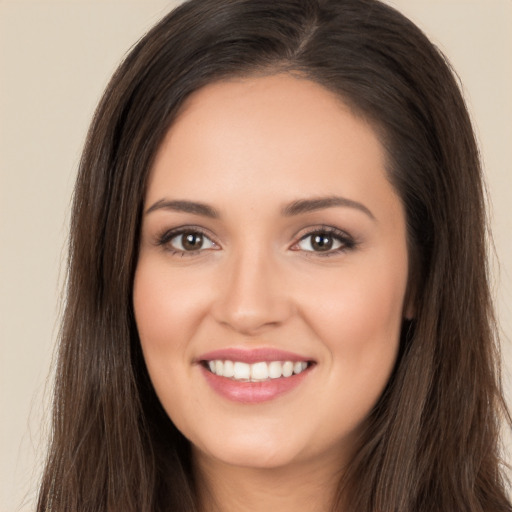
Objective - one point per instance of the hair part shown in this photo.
(431, 442)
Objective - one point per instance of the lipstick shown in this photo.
(253, 375)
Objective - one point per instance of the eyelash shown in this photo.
(347, 242)
(164, 239)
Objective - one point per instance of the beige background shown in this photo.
(55, 59)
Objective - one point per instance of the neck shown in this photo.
(308, 487)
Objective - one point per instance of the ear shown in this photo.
(409, 312)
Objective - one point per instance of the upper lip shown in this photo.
(254, 355)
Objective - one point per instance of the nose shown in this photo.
(252, 295)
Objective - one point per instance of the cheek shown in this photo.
(167, 306)
(365, 312)
(167, 312)
(168, 309)
(361, 304)
(359, 321)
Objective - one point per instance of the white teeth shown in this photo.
(229, 370)
(275, 369)
(256, 372)
(259, 371)
(241, 371)
(287, 369)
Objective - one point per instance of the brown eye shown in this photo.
(190, 241)
(322, 242)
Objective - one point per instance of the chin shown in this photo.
(253, 449)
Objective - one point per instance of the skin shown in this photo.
(248, 148)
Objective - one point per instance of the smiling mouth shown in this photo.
(256, 372)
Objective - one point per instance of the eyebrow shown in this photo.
(297, 207)
(186, 207)
(310, 205)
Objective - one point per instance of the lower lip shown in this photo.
(253, 392)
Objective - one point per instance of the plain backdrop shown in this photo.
(55, 59)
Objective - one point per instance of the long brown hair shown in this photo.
(431, 443)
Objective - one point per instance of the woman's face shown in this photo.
(269, 290)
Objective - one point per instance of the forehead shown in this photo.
(262, 134)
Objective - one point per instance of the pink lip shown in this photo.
(250, 356)
(253, 392)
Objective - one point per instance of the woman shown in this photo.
(277, 293)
